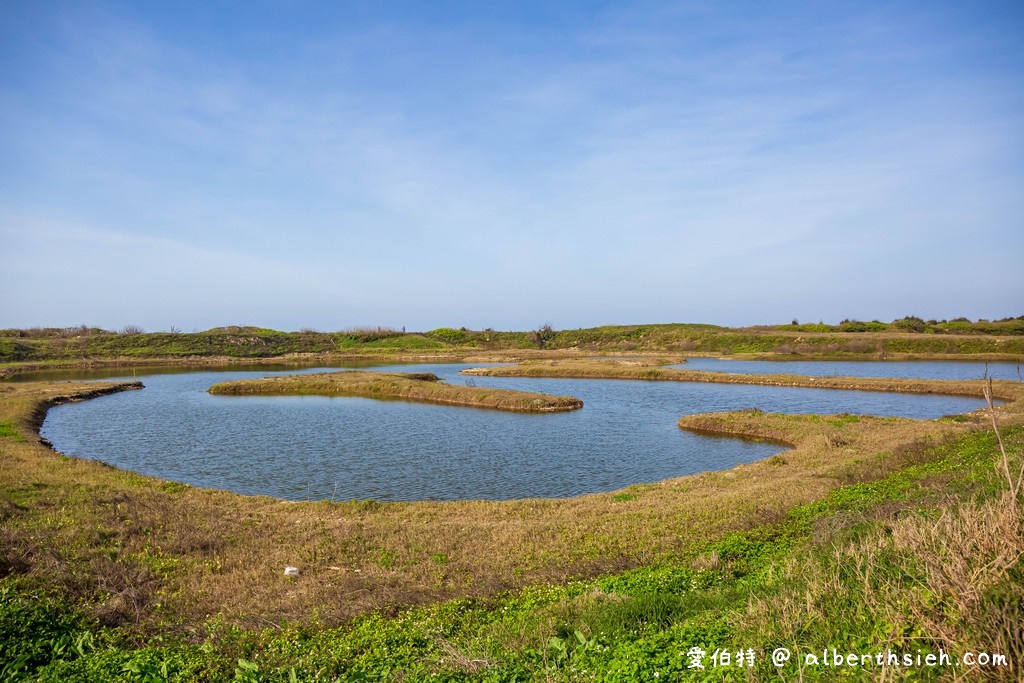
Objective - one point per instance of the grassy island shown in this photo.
(421, 387)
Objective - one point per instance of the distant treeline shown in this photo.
(911, 323)
(908, 335)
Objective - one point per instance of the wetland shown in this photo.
(620, 565)
(307, 446)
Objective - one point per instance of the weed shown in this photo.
(8, 430)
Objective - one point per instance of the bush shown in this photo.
(449, 334)
(909, 323)
(542, 335)
(853, 326)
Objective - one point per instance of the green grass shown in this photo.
(9, 431)
(850, 339)
(727, 595)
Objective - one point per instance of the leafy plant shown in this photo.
(542, 335)
(449, 335)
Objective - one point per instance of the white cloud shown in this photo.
(604, 168)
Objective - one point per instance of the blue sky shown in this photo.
(424, 164)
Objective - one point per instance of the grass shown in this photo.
(178, 583)
(997, 340)
(423, 387)
(849, 571)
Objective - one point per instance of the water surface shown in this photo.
(343, 448)
(963, 370)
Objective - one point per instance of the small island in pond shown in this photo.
(421, 387)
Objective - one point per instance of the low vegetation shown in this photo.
(423, 387)
(867, 535)
(909, 336)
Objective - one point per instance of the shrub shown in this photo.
(909, 323)
(449, 334)
(542, 335)
(853, 326)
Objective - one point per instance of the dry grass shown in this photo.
(423, 387)
(963, 555)
(946, 578)
(916, 577)
(161, 555)
(460, 661)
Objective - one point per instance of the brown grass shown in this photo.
(423, 387)
(948, 578)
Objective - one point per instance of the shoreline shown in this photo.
(38, 414)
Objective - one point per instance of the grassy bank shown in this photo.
(997, 340)
(423, 387)
(110, 575)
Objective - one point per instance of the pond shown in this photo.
(314, 448)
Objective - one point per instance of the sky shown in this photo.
(330, 165)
